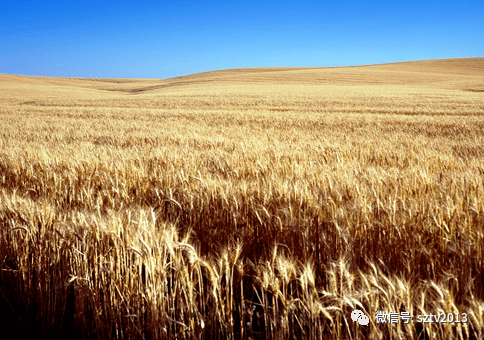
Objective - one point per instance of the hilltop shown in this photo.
(463, 74)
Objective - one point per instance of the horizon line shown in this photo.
(253, 68)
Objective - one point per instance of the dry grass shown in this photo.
(261, 203)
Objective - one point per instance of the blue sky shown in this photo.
(158, 39)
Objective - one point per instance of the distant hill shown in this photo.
(463, 74)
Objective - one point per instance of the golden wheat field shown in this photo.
(245, 204)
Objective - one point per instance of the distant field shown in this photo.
(245, 204)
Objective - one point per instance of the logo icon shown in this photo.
(358, 316)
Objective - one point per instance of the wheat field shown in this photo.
(263, 203)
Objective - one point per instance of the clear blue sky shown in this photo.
(159, 39)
